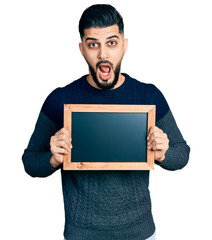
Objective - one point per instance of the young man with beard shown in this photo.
(104, 205)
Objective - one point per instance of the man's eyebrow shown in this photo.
(89, 38)
(114, 36)
(95, 39)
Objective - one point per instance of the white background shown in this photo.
(170, 45)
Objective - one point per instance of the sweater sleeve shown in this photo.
(178, 153)
(36, 157)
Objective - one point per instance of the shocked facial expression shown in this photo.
(103, 50)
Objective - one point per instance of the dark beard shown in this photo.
(106, 86)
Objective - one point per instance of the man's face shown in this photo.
(103, 50)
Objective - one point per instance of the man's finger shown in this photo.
(63, 144)
(61, 137)
(162, 147)
(158, 141)
(155, 129)
(62, 131)
(59, 150)
(63, 151)
(154, 135)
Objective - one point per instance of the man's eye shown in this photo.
(112, 43)
(92, 45)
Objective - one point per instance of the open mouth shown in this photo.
(105, 71)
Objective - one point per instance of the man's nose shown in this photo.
(103, 54)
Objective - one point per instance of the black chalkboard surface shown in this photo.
(109, 137)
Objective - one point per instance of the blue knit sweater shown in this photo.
(104, 205)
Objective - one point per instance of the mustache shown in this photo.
(104, 61)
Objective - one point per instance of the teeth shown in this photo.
(105, 74)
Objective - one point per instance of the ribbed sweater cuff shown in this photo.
(37, 164)
(176, 157)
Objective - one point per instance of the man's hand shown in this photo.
(158, 141)
(60, 145)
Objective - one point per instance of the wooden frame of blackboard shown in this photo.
(71, 108)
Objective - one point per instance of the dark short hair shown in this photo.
(100, 15)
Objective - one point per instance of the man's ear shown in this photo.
(125, 44)
(81, 48)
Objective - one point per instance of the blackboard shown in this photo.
(109, 137)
